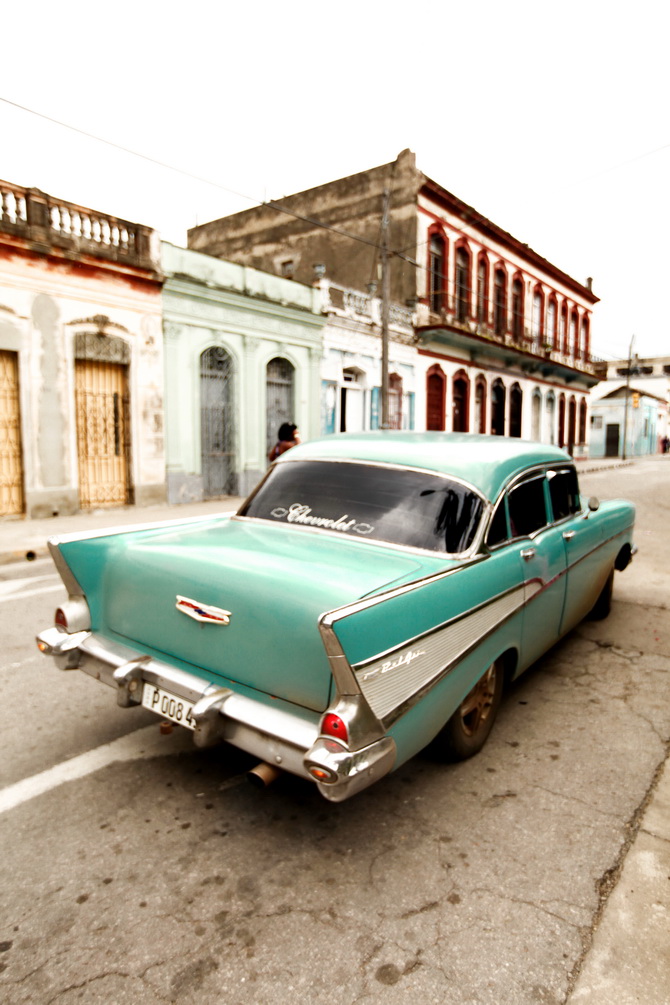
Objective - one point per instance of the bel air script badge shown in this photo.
(203, 612)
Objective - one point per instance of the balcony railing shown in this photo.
(55, 224)
(524, 340)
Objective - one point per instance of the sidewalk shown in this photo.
(27, 539)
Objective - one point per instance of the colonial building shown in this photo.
(504, 335)
(81, 358)
(242, 355)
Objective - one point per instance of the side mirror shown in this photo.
(594, 504)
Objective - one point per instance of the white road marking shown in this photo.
(13, 585)
(29, 593)
(146, 742)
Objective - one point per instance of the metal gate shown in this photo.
(103, 433)
(278, 397)
(217, 429)
(11, 471)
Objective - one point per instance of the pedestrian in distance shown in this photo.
(287, 437)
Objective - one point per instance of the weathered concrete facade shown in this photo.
(351, 366)
(81, 358)
(504, 335)
(242, 354)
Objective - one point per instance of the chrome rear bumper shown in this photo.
(287, 739)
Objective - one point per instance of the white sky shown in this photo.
(551, 119)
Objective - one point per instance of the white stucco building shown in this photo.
(81, 358)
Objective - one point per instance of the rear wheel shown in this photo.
(468, 729)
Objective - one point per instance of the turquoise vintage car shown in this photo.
(372, 595)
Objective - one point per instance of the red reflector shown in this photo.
(332, 725)
(60, 618)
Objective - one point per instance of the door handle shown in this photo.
(527, 554)
(568, 535)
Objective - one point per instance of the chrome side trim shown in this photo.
(428, 658)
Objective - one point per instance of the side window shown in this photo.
(564, 492)
(497, 532)
(527, 507)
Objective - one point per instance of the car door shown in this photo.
(581, 539)
(542, 556)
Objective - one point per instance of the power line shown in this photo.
(189, 174)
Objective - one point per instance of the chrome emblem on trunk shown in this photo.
(203, 612)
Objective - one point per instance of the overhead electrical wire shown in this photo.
(270, 204)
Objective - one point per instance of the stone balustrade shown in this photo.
(48, 223)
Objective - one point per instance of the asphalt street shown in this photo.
(136, 869)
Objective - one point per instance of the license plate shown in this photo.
(167, 705)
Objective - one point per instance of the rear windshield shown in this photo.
(412, 508)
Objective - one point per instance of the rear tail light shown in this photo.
(333, 725)
(73, 615)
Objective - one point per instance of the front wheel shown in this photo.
(603, 604)
(468, 729)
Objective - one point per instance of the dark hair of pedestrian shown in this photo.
(286, 431)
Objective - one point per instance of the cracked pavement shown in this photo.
(170, 880)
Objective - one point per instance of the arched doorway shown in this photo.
(435, 398)
(460, 403)
(536, 415)
(572, 424)
(102, 405)
(480, 404)
(561, 421)
(515, 410)
(498, 408)
(217, 430)
(279, 389)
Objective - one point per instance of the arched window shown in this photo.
(483, 289)
(573, 347)
(498, 408)
(586, 343)
(517, 308)
(500, 301)
(537, 322)
(437, 265)
(279, 407)
(563, 329)
(552, 331)
(395, 401)
(515, 409)
(480, 404)
(462, 284)
(460, 390)
(435, 397)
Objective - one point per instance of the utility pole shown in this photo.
(625, 404)
(385, 307)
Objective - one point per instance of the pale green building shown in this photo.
(242, 355)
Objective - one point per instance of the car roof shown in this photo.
(486, 462)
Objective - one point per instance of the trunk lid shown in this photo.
(274, 581)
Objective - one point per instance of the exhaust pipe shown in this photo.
(263, 775)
